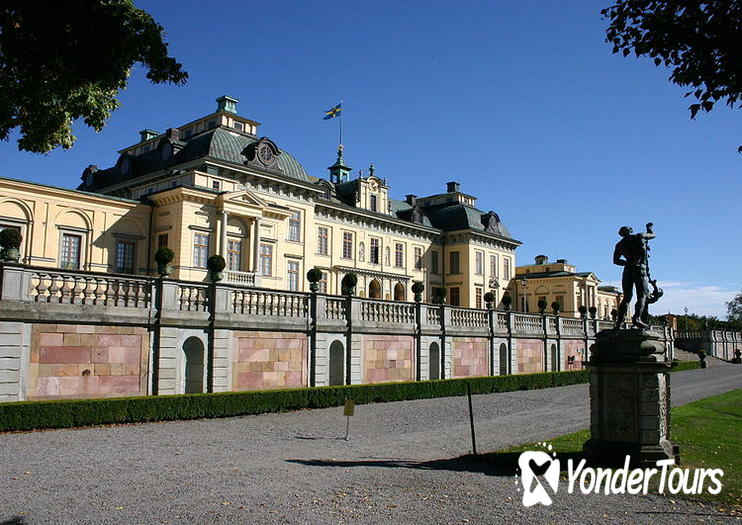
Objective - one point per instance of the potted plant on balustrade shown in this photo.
(418, 288)
(542, 306)
(10, 245)
(583, 311)
(216, 265)
(489, 300)
(314, 276)
(507, 300)
(439, 295)
(163, 257)
(555, 307)
(348, 284)
(593, 312)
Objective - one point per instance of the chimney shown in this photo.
(542, 259)
(147, 134)
(411, 199)
(453, 187)
(173, 133)
(562, 261)
(227, 104)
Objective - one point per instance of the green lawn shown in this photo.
(709, 432)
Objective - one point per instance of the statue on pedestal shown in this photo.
(632, 252)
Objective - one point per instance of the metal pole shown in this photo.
(471, 421)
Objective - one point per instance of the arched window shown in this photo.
(399, 292)
(554, 358)
(434, 367)
(503, 359)
(337, 363)
(374, 289)
(193, 350)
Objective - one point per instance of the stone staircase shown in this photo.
(683, 355)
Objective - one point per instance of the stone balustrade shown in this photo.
(717, 343)
(70, 287)
(387, 312)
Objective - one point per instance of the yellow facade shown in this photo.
(212, 187)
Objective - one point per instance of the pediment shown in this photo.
(243, 198)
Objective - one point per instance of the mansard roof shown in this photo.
(219, 143)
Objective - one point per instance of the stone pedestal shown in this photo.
(629, 400)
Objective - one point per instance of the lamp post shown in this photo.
(686, 318)
(524, 285)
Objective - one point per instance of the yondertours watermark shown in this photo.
(539, 477)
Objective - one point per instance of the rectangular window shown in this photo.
(292, 271)
(70, 259)
(434, 262)
(506, 268)
(322, 240)
(266, 259)
(479, 263)
(162, 240)
(478, 296)
(398, 255)
(455, 297)
(125, 257)
(347, 245)
(453, 266)
(200, 250)
(494, 272)
(375, 251)
(295, 226)
(239, 126)
(373, 202)
(323, 283)
(215, 184)
(234, 255)
(418, 258)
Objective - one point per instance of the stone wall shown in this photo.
(470, 356)
(387, 358)
(76, 361)
(269, 360)
(530, 356)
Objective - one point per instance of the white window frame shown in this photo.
(293, 276)
(323, 240)
(294, 232)
(201, 250)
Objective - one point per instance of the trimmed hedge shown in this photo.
(67, 413)
(679, 366)
(29, 415)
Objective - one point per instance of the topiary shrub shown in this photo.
(10, 244)
(163, 257)
(439, 295)
(593, 312)
(583, 310)
(314, 276)
(489, 299)
(418, 288)
(216, 265)
(507, 301)
(348, 284)
(542, 305)
(555, 307)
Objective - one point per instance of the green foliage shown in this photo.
(348, 284)
(542, 304)
(507, 300)
(698, 40)
(28, 415)
(164, 256)
(10, 238)
(64, 61)
(734, 310)
(314, 275)
(707, 322)
(216, 263)
(489, 297)
(555, 307)
(418, 287)
(583, 310)
(593, 311)
(679, 366)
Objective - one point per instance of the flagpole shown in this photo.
(341, 121)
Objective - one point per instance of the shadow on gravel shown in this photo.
(313, 438)
(461, 464)
(13, 521)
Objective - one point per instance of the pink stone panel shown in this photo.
(270, 360)
(387, 358)
(470, 357)
(530, 356)
(64, 354)
(571, 349)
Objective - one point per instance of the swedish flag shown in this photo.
(333, 112)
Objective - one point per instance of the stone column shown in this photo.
(223, 237)
(629, 400)
(256, 246)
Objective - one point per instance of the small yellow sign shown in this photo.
(350, 407)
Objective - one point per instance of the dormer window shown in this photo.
(239, 126)
(373, 203)
(215, 185)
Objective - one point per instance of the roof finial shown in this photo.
(371, 170)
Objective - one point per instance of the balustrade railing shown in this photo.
(193, 297)
(432, 314)
(335, 308)
(572, 326)
(240, 278)
(527, 324)
(69, 287)
(551, 324)
(383, 312)
(469, 318)
(501, 321)
(268, 303)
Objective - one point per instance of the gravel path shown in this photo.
(296, 468)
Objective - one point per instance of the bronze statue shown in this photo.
(632, 252)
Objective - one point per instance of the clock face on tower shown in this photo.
(265, 154)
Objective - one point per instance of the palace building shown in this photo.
(215, 186)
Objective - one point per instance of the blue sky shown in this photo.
(522, 102)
